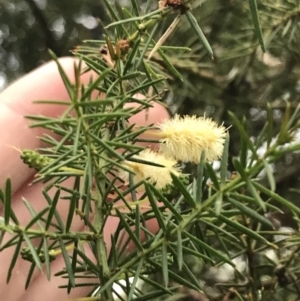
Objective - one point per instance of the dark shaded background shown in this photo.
(29, 27)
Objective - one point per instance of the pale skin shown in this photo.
(15, 102)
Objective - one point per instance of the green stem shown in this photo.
(99, 220)
(100, 208)
(32, 233)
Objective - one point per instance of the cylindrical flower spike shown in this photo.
(160, 176)
(184, 138)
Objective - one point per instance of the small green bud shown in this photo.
(34, 159)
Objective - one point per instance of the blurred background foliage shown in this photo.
(241, 78)
(28, 28)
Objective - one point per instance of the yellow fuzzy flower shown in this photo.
(160, 176)
(184, 138)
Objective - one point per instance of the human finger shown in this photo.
(33, 194)
(44, 83)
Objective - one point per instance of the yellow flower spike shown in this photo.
(160, 176)
(184, 138)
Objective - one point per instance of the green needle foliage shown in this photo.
(215, 229)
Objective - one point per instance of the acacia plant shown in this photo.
(216, 227)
